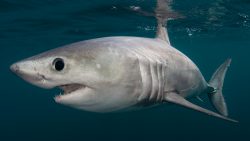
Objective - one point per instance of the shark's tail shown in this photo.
(216, 82)
(214, 92)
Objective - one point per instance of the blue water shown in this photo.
(211, 31)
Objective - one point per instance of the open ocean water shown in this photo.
(211, 31)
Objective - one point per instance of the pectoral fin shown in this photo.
(179, 100)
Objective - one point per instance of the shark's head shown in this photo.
(93, 77)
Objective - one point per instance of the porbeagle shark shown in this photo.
(120, 73)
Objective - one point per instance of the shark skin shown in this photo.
(117, 72)
(122, 73)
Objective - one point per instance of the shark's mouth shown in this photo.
(69, 88)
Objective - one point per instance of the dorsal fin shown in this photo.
(164, 13)
(162, 33)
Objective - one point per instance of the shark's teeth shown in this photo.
(69, 88)
(57, 98)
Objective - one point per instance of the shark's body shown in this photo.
(159, 66)
(157, 69)
(118, 73)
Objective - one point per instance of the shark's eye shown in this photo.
(58, 64)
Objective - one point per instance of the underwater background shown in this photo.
(210, 32)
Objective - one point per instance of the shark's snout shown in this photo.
(26, 71)
(14, 68)
(20, 68)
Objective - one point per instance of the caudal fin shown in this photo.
(216, 82)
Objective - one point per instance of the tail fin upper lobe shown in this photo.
(216, 82)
